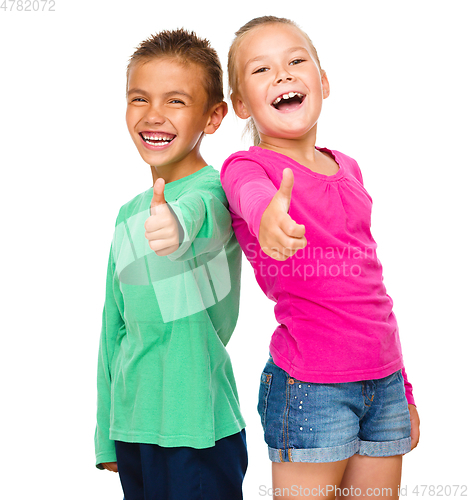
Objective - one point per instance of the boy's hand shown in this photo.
(279, 235)
(111, 466)
(414, 426)
(162, 230)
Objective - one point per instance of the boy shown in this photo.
(168, 415)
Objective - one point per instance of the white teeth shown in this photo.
(160, 138)
(287, 96)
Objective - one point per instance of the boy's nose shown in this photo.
(154, 116)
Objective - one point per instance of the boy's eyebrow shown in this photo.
(166, 95)
(177, 92)
(287, 51)
(137, 91)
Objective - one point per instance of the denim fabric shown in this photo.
(310, 422)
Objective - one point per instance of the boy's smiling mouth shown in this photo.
(156, 139)
(288, 101)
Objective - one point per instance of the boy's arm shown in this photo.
(198, 221)
(253, 196)
(113, 327)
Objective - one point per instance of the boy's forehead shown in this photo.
(166, 74)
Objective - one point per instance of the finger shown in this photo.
(161, 217)
(291, 228)
(158, 195)
(414, 426)
(280, 254)
(284, 192)
(164, 233)
(163, 247)
(415, 434)
(292, 245)
(167, 251)
(153, 224)
(285, 247)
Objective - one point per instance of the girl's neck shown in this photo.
(303, 152)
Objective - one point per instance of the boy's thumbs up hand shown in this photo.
(279, 235)
(158, 195)
(162, 229)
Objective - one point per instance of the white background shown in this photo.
(398, 104)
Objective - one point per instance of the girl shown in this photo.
(334, 400)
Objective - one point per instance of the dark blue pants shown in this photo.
(151, 472)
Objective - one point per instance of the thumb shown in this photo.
(285, 190)
(158, 195)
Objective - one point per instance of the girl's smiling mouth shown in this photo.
(290, 101)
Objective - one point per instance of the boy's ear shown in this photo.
(239, 107)
(216, 117)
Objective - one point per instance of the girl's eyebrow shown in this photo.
(255, 59)
(287, 51)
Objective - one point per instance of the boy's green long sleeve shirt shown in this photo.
(164, 375)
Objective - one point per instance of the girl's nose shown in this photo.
(283, 76)
(286, 79)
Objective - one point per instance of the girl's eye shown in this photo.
(260, 70)
(138, 99)
(297, 61)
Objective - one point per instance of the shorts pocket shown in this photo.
(264, 391)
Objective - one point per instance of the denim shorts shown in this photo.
(310, 422)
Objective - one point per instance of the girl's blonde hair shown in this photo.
(233, 80)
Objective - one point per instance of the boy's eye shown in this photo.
(138, 99)
(176, 101)
(260, 70)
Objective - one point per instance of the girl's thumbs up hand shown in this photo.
(280, 236)
(162, 229)
(285, 190)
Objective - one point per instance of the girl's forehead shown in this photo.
(271, 37)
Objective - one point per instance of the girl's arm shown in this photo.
(408, 389)
(252, 195)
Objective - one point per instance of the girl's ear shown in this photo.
(239, 107)
(325, 85)
(216, 117)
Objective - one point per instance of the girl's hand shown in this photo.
(279, 235)
(414, 426)
(111, 466)
(162, 231)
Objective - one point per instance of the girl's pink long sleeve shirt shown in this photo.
(336, 322)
